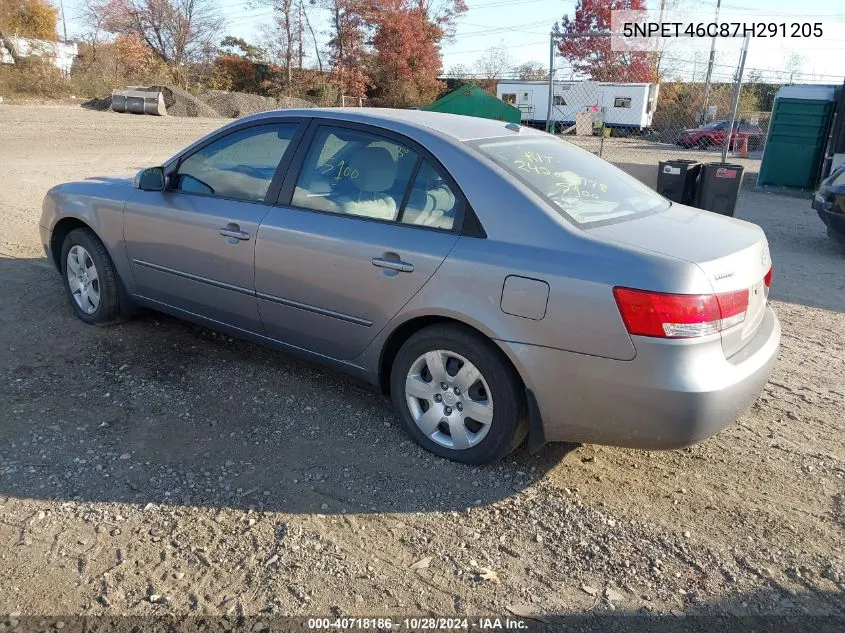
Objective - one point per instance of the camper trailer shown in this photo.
(620, 106)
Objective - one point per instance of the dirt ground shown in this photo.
(157, 467)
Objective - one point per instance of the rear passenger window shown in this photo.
(432, 202)
(239, 165)
(355, 173)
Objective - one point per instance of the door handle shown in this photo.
(399, 266)
(233, 231)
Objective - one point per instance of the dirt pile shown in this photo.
(184, 104)
(211, 104)
(294, 102)
(236, 104)
(97, 103)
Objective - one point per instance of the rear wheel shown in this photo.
(457, 396)
(90, 279)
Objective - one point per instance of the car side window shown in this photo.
(432, 201)
(239, 165)
(356, 173)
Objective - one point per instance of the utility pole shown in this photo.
(710, 67)
(735, 101)
(64, 22)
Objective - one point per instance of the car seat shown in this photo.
(376, 174)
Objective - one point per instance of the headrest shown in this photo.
(377, 169)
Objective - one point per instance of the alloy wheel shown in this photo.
(83, 279)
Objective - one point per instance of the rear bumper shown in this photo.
(673, 394)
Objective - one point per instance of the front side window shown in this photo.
(239, 165)
(579, 185)
(356, 173)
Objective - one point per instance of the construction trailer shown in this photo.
(624, 107)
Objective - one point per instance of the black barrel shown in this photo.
(677, 179)
(719, 187)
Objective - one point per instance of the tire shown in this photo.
(704, 143)
(496, 395)
(82, 245)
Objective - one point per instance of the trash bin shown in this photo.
(719, 187)
(677, 179)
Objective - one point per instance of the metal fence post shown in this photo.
(735, 101)
(550, 126)
(702, 119)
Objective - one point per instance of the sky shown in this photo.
(521, 27)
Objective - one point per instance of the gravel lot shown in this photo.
(161, 468)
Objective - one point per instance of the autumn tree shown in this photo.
(406, 41)
(347, 45)
(237, 46)
(177, 32)
(26, 18)
(592, 56)
(459, 71)
(492, 66)
(532, 71)
(285, 35)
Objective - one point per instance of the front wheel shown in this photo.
(90, 279)
(457, 396)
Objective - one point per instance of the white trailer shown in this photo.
(622, 106)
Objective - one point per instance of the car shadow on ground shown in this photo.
(156, 410)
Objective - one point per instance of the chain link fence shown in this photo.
(685, 116)
(622, 124)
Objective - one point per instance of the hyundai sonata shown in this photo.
(498, 282)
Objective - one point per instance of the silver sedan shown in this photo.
(498, 282)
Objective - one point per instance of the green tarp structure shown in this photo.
(471, 100)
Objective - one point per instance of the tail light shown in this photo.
(665, 315)
(768, 278)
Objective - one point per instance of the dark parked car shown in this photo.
(713, 135)
(829, 203)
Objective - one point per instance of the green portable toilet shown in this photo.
(474, 101)
(798, 132)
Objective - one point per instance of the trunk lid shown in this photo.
(732, 253)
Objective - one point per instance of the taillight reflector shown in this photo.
(768, 278)
(666, 315)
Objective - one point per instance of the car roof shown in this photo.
(455, 126)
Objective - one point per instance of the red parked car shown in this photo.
(713, 135)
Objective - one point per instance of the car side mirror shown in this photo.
(150, 179)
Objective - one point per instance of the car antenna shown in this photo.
(514, 126)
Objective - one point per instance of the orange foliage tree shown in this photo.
(406, 41)
(28, 18)
(592, 56)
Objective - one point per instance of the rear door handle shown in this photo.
(399, 266)
(233, 231)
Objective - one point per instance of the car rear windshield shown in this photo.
(580, 186)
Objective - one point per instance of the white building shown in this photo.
(60, 54)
